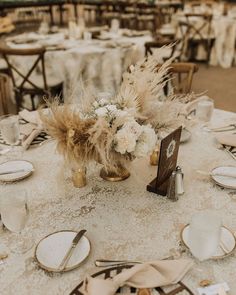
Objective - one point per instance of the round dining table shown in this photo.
(100, 63)
(123, 220)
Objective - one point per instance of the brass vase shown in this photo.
(79, 177)
(121, 174)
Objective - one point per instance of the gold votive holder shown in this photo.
(79, 177)
(154, 158)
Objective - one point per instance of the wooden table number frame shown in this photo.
(167, 163)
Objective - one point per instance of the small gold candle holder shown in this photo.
(79, 177)
(154, 158)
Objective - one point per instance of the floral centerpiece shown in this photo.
(115, 129)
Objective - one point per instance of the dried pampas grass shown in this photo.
(82, 140)
(82, 136)
(70, 131)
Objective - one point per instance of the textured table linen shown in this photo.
(123, 220)
(97, 63)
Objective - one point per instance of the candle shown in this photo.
(205, 109)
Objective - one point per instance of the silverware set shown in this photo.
(174, 254)
(229, 127)
(70, 251)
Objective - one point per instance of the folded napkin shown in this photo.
(32, 129)
(226, 139)
(146, 275)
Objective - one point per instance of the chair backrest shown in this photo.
(26, 78)
(149, 46)
(5, 94)
(196, 26)
(182, 76)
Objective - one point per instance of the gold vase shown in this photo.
(154, 158)
(121, 174)
(79, 177)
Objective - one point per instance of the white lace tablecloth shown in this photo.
(123, 220)
(223, 51)
(98, 63)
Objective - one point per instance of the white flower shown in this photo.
(146, 141)
(141, 150)
(124, 141)
(103, 102)
(104, 98)
(101, 112)
(95, 104)
(121, 113)
(133, 127)
(112, 108)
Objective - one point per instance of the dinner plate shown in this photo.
(51, 250)
(227, 242)
(185, 135)
(26, 167)
(224, 181)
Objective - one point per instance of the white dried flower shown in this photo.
(101, 112)
(95, 104)
(112, 108)
(133, 127)
(146, 142)
(124, 141)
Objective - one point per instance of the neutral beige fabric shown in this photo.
(31, 130)
(147, 275)
(123, 220)
(227, 139)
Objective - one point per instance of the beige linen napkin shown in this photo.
(31, 130)
(226, 139)
(146, 275)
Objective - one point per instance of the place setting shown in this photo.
(17, 134)
(62, 251)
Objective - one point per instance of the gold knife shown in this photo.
(71, 249)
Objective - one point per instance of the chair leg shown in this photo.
(210, 46)
(18, 99)
(32, 101)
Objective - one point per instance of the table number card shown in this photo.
(167, 162)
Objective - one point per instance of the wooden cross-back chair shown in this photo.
(181, 74)
(172, 43)
(5, 94)
(27, 85)
(197, 30)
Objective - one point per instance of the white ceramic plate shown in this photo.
(51, 250)
(227, 242)
(16, 165)
(227, 182)
(185, 135)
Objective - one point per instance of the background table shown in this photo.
(99, 63)
(123, 220)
